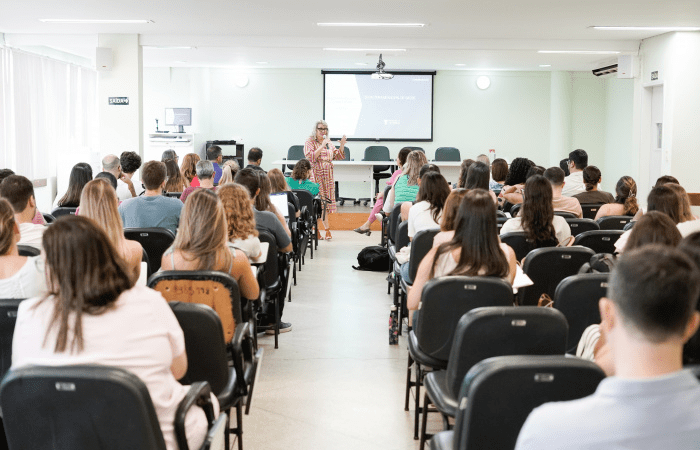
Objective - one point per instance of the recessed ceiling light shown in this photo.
(460, 65)
(581, 52)
(334, 49)
(119, 21)
(370, 24)
(361, 64)
(647, 28)
(545, 65)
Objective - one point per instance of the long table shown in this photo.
(362, 170)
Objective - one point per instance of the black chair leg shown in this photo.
(419, 375)
(227, 437)
(277, 319)
(239, 420)
(249, 399)
(408, 382)
(424, 424)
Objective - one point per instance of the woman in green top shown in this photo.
(300, 177)
(406, 187)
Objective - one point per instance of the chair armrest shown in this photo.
(198, 395)
(242, 331)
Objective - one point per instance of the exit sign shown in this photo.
(118, 100)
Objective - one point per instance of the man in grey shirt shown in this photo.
(152, 209)
(649, 402)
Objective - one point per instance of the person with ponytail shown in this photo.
(591, 180)
(625, 203)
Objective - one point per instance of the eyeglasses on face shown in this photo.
(322, 129)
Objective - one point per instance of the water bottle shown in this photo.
(394, 326)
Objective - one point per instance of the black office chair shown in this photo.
(629, 225)
(308, 216)
(500, 220)
(485, 333)
(565, 214)
(63, 211)
(8, 320)
(546, 267)
(499, 393)
(517, 240)
(154, 240)
(421, 244)
(378, 153)
(515, 209)
(28, 250)
(447, 154)
(176, 195)
(577, 298)
(401, 242)
(48, 218)
(614, 222)
(91, 407)
(295, 153)
(275, 279)
(444, 301)
(590, 210)
(208, 355)
(600, 241)
(579, 226)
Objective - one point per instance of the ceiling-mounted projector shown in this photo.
(380, 74)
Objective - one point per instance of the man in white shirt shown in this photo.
(19, 191)
(125, 188)
(649, 402)
(578, 160)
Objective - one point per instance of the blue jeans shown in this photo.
(404, 273)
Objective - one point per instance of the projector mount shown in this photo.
(380, 74)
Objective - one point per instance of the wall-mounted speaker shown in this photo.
(625, 66)
(103, 59)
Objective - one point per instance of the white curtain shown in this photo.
(48, 108)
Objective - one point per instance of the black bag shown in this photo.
(373, 258)
(599, 263)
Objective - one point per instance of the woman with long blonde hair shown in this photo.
(99, 202)
(175, 181)
(240, 219)
(202, 243)
(189, 169)
(406, 187)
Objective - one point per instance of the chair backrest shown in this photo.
(271, 271)
(503, 391)
(443, 302)
(565, 214)
(629, 225)
(216, 290)
(600, 241)
(579, 226)
(515, 209)
(78, 407)
(204, 344)
(546, 267)
(517, 240)
(8, 320)
(394, 220)
(295, 153)
(28, 250)
(346, 152)
(377, 153)
(500, 331)
(500, 220)
(590, 209)
(420, 246)
(48, 218)
(63, 211)
(401, 236)
(173, 194)
(577, 298)
(154, 240)
(614, 222)
(500, 213)
(447, 154)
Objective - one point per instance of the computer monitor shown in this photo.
(181, 117)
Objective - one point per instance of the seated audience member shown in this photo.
(99, 202)
(19, 191)
(300, 177)
(175, 182)
(664, 179)
(514, 183)
(255, 159)
(111, 179)
(578, 160)
(535, 170)
(449, 217)
(168, 155)
(93, 315)
(125, 188)
(205, 173)
(264, 220)
(229, 171)
(214, 155)
(567, 204)
(240, 219)
(79, 177)
(564, 165)
(625, 202)
(537, 217)
(278, 185)
(686, 211)
(463, 169)
(202, 244)
(152, 209)
(131, 162)
(654, 227)
(478, 178)
(499, 172)
(474, 250)
(690, 246)
(264, 203)
(650, 402)
(20, 276)
(405, 189)
(591, 179)
(38, 217)
(406, 206)
(189, 169)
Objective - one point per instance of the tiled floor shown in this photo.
(335, 382)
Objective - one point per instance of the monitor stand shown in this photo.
(181, 129)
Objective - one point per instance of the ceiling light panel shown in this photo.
(370, 24)
(581, 52)
(98, 21)
(647, 28)
(336, 49)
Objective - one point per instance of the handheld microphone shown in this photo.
(324, 136)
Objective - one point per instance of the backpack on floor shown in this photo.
(373, 258)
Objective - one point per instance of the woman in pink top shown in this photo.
(400, 161)
(321, 152)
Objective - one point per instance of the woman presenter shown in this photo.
(321, 152)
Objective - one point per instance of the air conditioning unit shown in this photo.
(607, 70)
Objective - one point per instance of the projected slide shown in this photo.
(367, 109)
